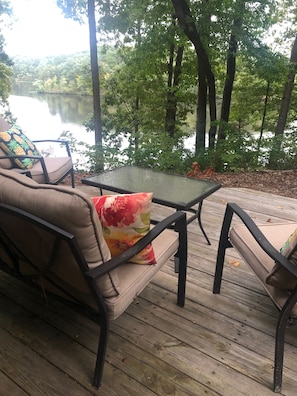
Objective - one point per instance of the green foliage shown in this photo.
(238, 151)
(5, 61)
(161, 152)
(73, 9)
(135, 82)
(242, 151)
(66, 74)
(158, 152)
(257, 91)
(283, 149)
(5, 84)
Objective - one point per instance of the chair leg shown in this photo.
(182, 273)
(180, 261)
(103, 339)
(279, 355)
(282, 324)
(223, 245)
(72, 179)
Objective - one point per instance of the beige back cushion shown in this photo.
(73, 211)
(4, 163)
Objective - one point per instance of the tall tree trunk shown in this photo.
(201, 111)
(172, 85)
(284, 108)
(95, 85)
(286, 99)
(212, 98)
(264, 111)
(263, 116)
(188, 25)
(230, 72)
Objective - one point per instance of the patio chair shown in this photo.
(52, 236)
(50, 170)
(270, 251)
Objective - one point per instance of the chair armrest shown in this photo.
(259, 237)
(62, 142)
(8, 156)
(178, 217)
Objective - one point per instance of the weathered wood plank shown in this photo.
(32, 372)
(52, 332)
(8, 387)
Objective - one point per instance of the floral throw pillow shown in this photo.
(15, 142)
(125, 219)
(279, 276)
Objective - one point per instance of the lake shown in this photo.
(47, 116)
(44, 116)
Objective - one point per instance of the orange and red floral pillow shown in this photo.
(125, 219)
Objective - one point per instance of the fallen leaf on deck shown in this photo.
(235, 263)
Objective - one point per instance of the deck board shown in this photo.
(216, 345)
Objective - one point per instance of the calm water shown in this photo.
(47, 116)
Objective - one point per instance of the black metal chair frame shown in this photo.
(91, 275)
(42, 162)
(284, 318)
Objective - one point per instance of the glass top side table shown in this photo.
(178, 192)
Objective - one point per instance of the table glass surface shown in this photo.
(176, 191)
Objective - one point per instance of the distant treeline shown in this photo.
(62, 74)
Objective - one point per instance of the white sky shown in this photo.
(39, 29)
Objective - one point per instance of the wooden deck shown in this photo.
(215, 345)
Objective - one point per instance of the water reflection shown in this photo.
(74, 109)
(47, 116)
(70, 108)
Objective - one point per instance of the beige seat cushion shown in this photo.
(134, 277)
(257, 259)
(5, 163)
(56, 167)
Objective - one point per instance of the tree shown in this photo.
(5, 62)
(77, 10)
(173, 80)
(96, 85)
(206, 79)
(151, 84)
(287, 93)
(284, 108)
(231, 65)
(154, 52)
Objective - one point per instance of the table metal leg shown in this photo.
(200, 223)
(197, 215)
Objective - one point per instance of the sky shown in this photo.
(39, 29)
